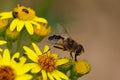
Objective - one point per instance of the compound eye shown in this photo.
(79, 49)
(25, 10)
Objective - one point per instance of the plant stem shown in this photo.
(72, 74)
(19, 41)
(9, 45)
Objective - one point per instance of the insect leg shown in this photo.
(58, 47)
(47, 51)
(71, 54)
(76, 54)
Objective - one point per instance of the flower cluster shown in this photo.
(23, 17)
(25, 63)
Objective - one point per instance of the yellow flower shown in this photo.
(23, 16)
(3, 23)
(82, 67)
(3, 26)
(43, 31)
(1, 43)
(40, 33)
(46, 63)
(12, 35)
(13, 68)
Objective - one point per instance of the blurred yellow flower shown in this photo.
(12, 35)
(1, 43)
(46, 63)
(3, 23)
(23, 16)
(43, 31)
(13, 69)
(82, 67)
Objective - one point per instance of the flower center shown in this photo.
(6, 73)
(23, 13)
(47, 62)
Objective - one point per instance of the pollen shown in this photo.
(6, 73)
(47, 62)
(23, 13)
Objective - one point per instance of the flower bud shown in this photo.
(12, 35)
(3, 25)
(81, 67)
(40, 33)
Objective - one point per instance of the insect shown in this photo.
(66, 43)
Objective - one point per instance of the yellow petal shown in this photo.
(22, 60)
(16, 55)
(17, 66)
(29, 27)
(44, 75)
(31, 54)
(13, 62)
(24, 77)
(32, 57)
(62, 61)
(28, 66)
(6, 57)
(13, 24)
(50, 76)
(0, 57)
(5, 15)
(35, 23)
(1, 60)
(40, 20)
(20, 25)
(25, 68)
(55, 55)
(60, 74)
(46, 49)
(2, 42)
(36, 48)
(18, 69)
(36, 68)
(55, 76)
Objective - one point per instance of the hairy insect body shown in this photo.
(67, 44)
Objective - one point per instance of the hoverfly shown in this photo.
(66, 43)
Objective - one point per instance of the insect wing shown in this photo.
(62, 30)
